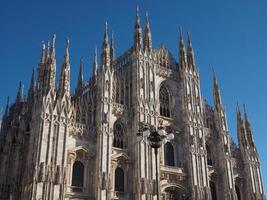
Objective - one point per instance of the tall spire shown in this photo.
(190, 51)
(19, 93)
(112, 48)
(182, 51)
(7, 108)
(95, 63)
(216, 92)
(53, 48)
(50, 68)
(105, 49)
(241, 134)
(64, 82)
(47, 53)
(67, 55)
(80, 77)
(42, 59)
(147, 35)
(137, 31)
(31, 88)
(248, 128)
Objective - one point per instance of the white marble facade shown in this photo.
(55, 145)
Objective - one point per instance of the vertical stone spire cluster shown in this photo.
(52, 134)
(250, 157)
(186, 56)
(137, 31)
(47, 68)
(140, 42)
(244, 130)
(64, 82)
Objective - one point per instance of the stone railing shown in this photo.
(172, 174)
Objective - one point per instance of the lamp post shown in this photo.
(156, 137)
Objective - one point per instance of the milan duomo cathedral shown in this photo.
(57, 145)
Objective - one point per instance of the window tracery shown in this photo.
(164, 99)
(118, 140)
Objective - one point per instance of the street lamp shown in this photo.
(156, 137)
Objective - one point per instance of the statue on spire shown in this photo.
(137, 31)
(105, 56)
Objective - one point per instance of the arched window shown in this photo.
(213, 190)
(238, 194)
(169, 154)
(77, 176)
(209, 159)
(118, 136)
(119, 180)
(164, 100)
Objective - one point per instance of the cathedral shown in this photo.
(61, 145)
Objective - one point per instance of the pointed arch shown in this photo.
(169, 154)
(119, 180)
(118, 140)
(77, 176)
(164, 100)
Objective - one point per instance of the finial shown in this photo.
(80, 77)
(147, 18)
(181, 33)
(112, 39)
(32, 79)
(48, 45)
(95, 53)
(42, 59)
(245, 111)
(137, 15)
(95, 62)
(67, 42)
(189, 38)
(54, 40)
(7, 105)
(43, 45)
(19, 94)
(137, 10)
(237, 107)
(66, 56)
(214, 73)
(106, 33)
(106, 27)
(7, 101)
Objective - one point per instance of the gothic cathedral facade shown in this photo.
(57, 145)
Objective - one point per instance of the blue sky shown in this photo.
(231, 35)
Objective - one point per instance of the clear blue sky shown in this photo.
(231, 35)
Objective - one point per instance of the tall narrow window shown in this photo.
(209, 159)
(213, 191)
(164, 100)
(118, 136)
(238, 194)
(169, 154)
(77, 176)
(119, 180)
